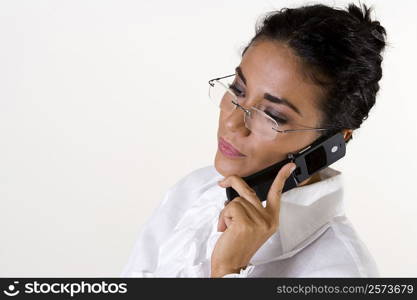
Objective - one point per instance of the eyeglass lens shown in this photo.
(256, 121)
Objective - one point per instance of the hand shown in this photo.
(246, 224)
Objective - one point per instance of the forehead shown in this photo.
(272, 67)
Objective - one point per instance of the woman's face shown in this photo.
(268, 67)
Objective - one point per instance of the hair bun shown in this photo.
(378, 35)
(363, 17)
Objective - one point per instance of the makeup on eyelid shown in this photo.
(280, 118)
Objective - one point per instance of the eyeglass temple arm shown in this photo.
(211, 80)
(316, 129)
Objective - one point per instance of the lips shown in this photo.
(228, 149)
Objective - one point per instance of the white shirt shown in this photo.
(314, 237)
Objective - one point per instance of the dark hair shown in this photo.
(340, 51)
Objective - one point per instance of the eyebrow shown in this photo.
(270, 97)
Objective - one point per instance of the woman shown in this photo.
(313, 70)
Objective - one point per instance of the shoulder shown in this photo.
(344, 232)
(339, 252)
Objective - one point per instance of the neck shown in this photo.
(312, 179)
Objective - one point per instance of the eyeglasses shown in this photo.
(223, 93)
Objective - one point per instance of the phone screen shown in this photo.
(316, 160)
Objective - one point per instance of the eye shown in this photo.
(236, 90)
(273, 114)
(276, 118)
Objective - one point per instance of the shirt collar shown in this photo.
(305, 212)
(306, 209)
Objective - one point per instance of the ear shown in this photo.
(347, 134)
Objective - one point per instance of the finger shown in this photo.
(252, 212)
(243, 189)
(275, 191)
(233, 212)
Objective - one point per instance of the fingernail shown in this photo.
(293, 168)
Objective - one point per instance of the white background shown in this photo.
(103, 106)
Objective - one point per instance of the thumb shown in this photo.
(221, 225)
(275, 191)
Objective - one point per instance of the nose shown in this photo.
(235, 122)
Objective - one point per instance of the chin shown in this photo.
(226, 166)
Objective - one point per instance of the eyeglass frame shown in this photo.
(247, 112)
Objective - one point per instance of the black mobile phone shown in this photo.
(318, 155)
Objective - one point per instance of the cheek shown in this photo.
(261, 151)
(266, 153)
(221, 122)
(222, 116)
